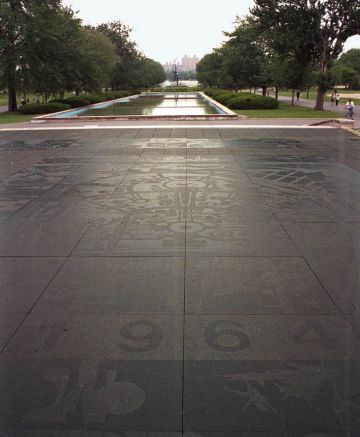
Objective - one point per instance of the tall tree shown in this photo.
(17, 19)
(52, 51)
(150, 73)
(347, 69)
(97, 62)
(351, 59)
(128, 55)
(246, 55)
(344, 75)
(208, 69)
(319, 28)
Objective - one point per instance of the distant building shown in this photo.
(187, 64)
(169, 66)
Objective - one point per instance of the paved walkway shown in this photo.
(180, 282)
(3, 109)
(340, 109)
(160, 124)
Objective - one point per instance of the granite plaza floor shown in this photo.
(169, 282)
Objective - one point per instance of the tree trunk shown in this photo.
(293, 98)
(277, 93)
(11, 82)
(324, 67)
(77, 92)
(264, 90)
(320, 98)
(12, 99)
(10, 73)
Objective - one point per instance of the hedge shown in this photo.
(92, 99)
(88, 99)
(224, 97)
(110, 96)
(234, 100)
(253, 102)
(74, 102)
(43, 108)
(213, 92)
(172, 89)
(113, 95)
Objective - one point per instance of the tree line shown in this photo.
(46, 49)
(289, 44)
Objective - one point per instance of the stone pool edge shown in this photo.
(228, 114)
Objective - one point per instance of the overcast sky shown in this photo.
(167, 29)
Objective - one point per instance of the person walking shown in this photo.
(337, 99)
(350, 109)
(332, 99)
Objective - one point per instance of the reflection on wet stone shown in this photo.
(179, 282)
(102, 395)
(271, 394)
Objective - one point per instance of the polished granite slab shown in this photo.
(180, 282)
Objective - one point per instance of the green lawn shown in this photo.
(3, 100)
(14, 117)
(287, 111)
(31, 97)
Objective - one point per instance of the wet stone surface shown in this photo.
(180, 282)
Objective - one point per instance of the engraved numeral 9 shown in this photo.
(141, 336)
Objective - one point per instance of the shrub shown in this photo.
(89, 99)
(92, 99)
(43, 108)
(174, 89)
(120, 94)
(109, 96)
(246, 100)
(213, 92)
(74, 102)
(133, 92)
(224, 97)
(252, 102)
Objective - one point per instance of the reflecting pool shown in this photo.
(161, 105)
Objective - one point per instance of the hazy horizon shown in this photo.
(167, 31)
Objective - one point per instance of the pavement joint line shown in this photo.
(179, 127)
(44, 290)
(184, 297)
(301, 255)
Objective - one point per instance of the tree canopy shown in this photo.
(282, 42)
(247, 60)
(314, 29)
(347, 70)
(45, 48)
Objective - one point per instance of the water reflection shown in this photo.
(172, 104)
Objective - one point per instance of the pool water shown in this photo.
(171, 105)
